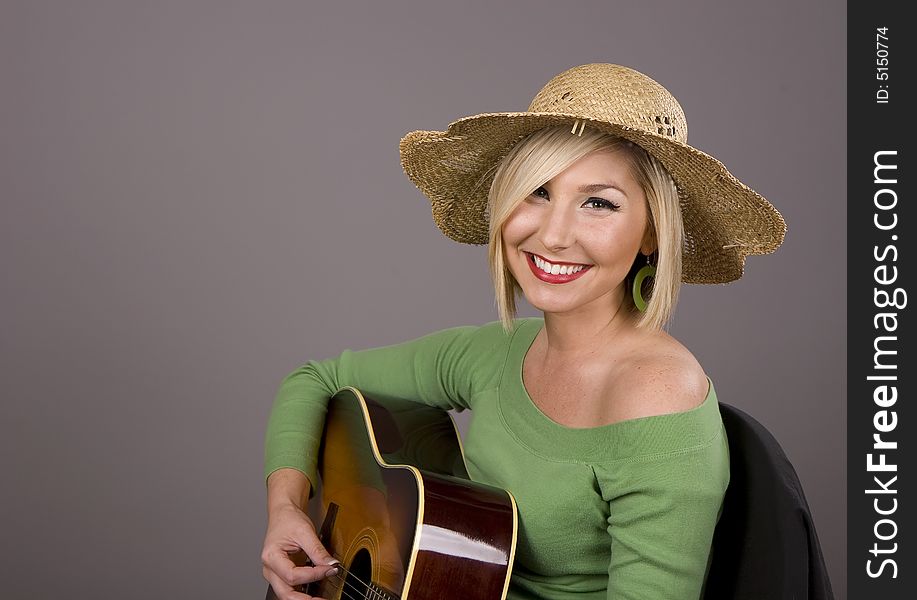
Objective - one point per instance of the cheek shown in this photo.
(613, 243)
(518, 226)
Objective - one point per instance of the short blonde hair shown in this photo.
(547, 152)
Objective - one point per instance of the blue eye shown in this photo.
(602, 204)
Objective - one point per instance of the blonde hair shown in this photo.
(547, 152)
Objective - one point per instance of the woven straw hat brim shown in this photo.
(724, 220)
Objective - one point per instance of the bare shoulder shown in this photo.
(659, 377)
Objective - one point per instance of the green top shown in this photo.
(622, 511)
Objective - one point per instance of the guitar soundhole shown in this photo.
(358, 582)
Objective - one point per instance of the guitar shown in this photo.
(397, 509)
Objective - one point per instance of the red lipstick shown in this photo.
(548, 277)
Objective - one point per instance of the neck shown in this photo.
(577, 335)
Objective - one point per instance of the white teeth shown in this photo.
(556, 269)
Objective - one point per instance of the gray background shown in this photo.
(199, 196)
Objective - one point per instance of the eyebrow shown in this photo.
(597, 187)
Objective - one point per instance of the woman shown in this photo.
(604, 428)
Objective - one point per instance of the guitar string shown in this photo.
(343, 569)
(344, 593)
(369, 588)
(363, 595)
(340, 573)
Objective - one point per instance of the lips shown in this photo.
(556, 277)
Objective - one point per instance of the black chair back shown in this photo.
(765, 546)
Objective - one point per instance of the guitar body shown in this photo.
(396, 507)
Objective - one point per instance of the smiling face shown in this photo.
(572, 242)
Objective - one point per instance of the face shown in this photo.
(572, 242)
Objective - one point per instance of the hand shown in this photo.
(290, 530)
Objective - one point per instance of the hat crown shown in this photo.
(613, 94)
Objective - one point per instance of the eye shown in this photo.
(602, 204)
(540, 193)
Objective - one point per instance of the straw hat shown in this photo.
(724, 220)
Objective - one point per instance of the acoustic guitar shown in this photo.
(397, 508)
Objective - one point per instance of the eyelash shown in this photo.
(604, 204)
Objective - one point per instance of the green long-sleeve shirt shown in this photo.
(622, 511)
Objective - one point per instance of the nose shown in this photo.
(556, 231)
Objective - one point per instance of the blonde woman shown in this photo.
(604, 428)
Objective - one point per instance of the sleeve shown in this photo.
(662, 514)
(439, 369)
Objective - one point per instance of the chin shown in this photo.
(547, 303)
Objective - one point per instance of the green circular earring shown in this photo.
(647, 270)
